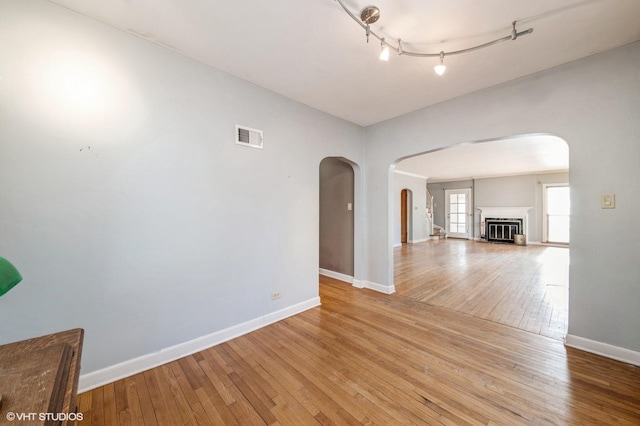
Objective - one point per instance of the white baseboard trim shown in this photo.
(397, 245)
(374, 286)
(541, 243)
(137, 365)
(358, 283)
(603, 349)
(336, 275)
(421, 240)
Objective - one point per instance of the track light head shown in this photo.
(441, 67)
(384, 50)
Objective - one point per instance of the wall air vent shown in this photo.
(248, 137)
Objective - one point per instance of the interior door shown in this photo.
(457, 212)
(403, 216)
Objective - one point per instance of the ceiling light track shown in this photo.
(371, 14)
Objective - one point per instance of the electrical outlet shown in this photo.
(275, 295)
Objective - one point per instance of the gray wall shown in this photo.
(506, 191)
(336, 221)
(129, 210)
(417, 208)
(516, 191)
(593, 105)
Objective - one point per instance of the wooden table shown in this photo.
(39, 379)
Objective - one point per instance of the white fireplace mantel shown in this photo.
(504, 212)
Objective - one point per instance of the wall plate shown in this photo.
(608, 201)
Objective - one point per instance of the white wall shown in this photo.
(125, 203)
(592, 104)
(417, 228)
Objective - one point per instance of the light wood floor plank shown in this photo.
(97, 406)
(84, 407)
(144, 398)
(122, 403)
(109, 407)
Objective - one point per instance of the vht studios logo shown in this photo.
(50, 417)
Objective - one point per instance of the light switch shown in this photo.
(608, 201)
(349, 206)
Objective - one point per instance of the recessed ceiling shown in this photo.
(515, 156)
(312, 51)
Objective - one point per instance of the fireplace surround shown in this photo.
(502, 224)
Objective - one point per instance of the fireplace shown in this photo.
(502, 230)
(503, 224)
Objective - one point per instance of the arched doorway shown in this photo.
(336, 219)
(508, 193)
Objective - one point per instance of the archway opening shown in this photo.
(337, 225)
(521, 285)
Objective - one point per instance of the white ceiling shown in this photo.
(312, 51)
(531, 154)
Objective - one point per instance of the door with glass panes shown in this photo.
(457, 212)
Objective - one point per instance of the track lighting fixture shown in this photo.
(371, 14)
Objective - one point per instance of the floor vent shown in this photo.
(248, 137)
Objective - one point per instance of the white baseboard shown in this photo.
(541, 243)
(397, 245)
(358, 283)
(336, 275)
(603, 349)
(374, 286)
(421, 240)
(137, 365)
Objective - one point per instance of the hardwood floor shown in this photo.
(368, 358)
(522, 287)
